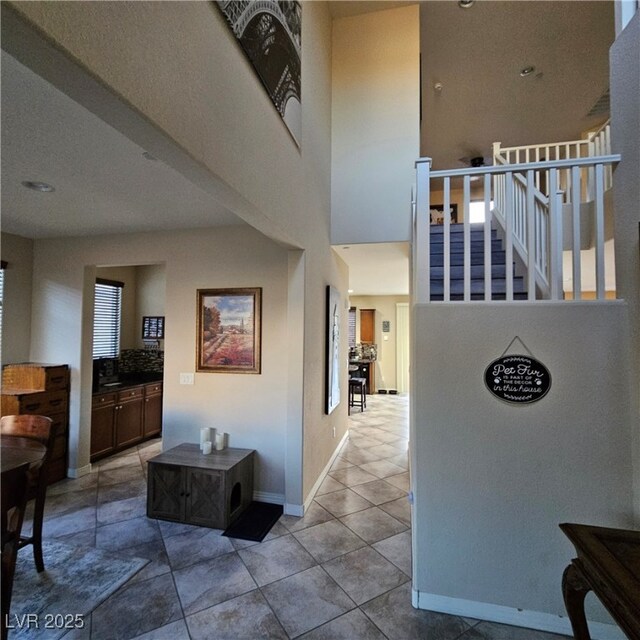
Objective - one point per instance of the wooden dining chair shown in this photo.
(14, 502)
(41, 429)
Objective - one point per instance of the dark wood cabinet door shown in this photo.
(152, 415)
(166, 492)
(367, 325)
(205, 498)
(129, 422)
(102, 429)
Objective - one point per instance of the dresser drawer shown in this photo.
(59, 449)
(56, 378)
(43, 404)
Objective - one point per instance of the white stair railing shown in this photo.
(531, 222)
(597, 143)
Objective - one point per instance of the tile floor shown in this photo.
(343, 571)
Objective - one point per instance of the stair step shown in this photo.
(477, 271)
(435, 297)
(458, 247)
(498, 285)
(437, 233)
(457, 259)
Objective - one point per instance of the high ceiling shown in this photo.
(104, 184)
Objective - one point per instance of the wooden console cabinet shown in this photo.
(212, 490)
(41, 389)
(120, 419)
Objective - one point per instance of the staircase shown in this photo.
(498, 267)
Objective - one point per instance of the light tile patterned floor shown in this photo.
(343, 571)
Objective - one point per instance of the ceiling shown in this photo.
(377, 269)
(104, 183)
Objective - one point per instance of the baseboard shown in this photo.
(296, 510)
(271, 498)
(509, 615)
(323, 474)
(79, 472)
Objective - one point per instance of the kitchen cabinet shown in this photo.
(120, 419)
(366, 370)
(41, 389)
(188, 486)
(152, 410)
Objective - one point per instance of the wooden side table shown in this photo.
(184, 485)
(608, 564)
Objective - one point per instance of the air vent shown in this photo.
(602, 105)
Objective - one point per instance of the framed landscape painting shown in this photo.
(229, 330)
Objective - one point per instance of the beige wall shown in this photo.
(385, 307)
(625, 115)
(375, 128)
(251, 408)
(16, 304)
(201, 109)
(493, 480)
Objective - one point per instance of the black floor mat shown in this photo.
(255, 522)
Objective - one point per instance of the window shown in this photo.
(476, 211)
(106, 318)
(352, 327)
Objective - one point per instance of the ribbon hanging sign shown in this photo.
(517, 379)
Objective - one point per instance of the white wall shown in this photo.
(16, 312)
(625, 131)
(375, 128)
(492, 481)
(385, 307)
(201, 109)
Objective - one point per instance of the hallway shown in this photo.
(341, 571)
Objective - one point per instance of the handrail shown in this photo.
(533, 223)
(614, 158)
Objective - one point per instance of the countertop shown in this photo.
(128, 380)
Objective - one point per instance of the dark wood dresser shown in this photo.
(41, 389)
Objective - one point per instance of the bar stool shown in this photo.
(358, 385)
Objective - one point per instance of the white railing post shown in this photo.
(488, 280)
(508, 230)
(575, 214)
(422, 241)
(531, 237)
(446, 255)
(599, 239)
(556, 231)
(467, 238)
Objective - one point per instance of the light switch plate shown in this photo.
(186, 378)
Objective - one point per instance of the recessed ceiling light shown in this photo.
(349, 290)
(527, 71)
(465, 4)
(38, 186)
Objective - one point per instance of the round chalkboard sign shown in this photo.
(517, 379)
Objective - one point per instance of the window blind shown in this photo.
(106, 318)
(352, 327)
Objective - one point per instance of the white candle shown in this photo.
(219, 441)
(205, 435)
(206, 447)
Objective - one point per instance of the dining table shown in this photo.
(16, 451)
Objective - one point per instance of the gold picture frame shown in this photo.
(229, 327)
